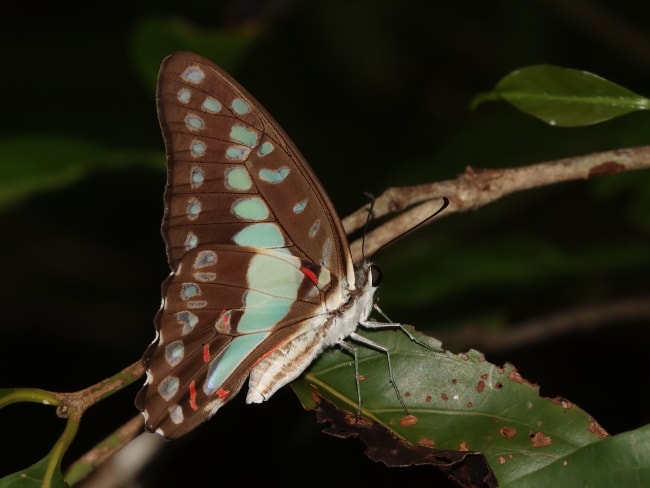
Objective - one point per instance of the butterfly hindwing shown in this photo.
(259, 259)
(197, 368)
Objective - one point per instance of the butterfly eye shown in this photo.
(375, 275)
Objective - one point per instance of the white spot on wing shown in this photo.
(176, 414)
(197, 148)
(193, 74)
(184, 95)
(193, 208)
(191, 241)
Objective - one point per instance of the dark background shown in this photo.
(376, 94)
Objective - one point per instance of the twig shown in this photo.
(100, 453)
(534, 331)
(476, 188)
(74, 404)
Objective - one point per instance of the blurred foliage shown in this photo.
(375, 94)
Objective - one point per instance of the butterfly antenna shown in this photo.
(371, 207)
(445, 204)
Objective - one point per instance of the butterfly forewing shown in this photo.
(230, 164)
(257, 253)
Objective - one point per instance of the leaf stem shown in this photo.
(31, 395)
(58, 451)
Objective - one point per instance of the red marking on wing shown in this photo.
(206, 353)
(310, 274)
(223, 394)
(223, 322)
(193, 404)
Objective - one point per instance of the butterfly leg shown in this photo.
(350, 349)
(378, 347)
(374, 324)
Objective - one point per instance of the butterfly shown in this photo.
(262, 278)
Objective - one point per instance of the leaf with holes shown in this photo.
(454, 402)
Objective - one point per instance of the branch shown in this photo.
(96, 458)
(74, 404)
(534, 331)
(476, 188)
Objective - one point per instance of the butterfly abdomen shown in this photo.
(289, 360)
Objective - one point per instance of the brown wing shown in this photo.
(256, 249)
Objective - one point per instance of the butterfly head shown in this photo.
(368, 278)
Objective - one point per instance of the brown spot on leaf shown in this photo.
(315, 396)
(538, 439)
(595, 428)
(454, 381)
(484, 376)
(463, 446)
(352, 419)
(426, 442)
(502, 460)
(498, 386)
(563, 402)
(507, 432)
(444, 396)
(428, 398)
(608, 168)
(361, 377)
(480, 386)
(408, 420)
(470, 404)
(407, 394)
(515, 376)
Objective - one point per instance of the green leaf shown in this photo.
(564, 97)
(31, 164)
(35, 476)
(622, 460)
(454, 401)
